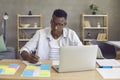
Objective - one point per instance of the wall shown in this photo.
(46, 7)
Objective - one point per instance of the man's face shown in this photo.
(57, 25)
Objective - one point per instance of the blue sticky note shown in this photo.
(28, 73)
(13, 65)
(1, 70)
(45, 67)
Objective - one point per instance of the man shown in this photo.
(46, 42)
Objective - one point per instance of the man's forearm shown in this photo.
(25, 55)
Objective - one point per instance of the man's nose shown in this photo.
(56, 27)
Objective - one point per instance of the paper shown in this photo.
(108, 62)
(116, 43)
(111, 73)
(36, 64)
(55, 62)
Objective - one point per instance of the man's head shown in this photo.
(60, 13)
(58, 22)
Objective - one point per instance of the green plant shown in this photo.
(93, 8)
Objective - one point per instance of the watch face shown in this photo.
(5, 17)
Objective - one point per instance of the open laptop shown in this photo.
(77, 58)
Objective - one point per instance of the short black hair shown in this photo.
(60, 13)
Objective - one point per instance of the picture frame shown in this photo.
(87, 24)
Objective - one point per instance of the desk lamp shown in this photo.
(5, 17)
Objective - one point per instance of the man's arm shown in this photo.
(32, 58)
(76, 40)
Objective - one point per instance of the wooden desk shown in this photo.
(84, 75)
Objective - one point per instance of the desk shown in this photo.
(84, 75)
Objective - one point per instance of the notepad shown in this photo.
(39, 71)
(36, 64)
(9, 69)
(108, 62)
(111, 73)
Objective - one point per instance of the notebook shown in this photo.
(77, 58)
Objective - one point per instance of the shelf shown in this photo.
(29, 15)
(23, 39)
(25, 33)
(30, 28)
(95, 28)
(94, 40)
(94, 15)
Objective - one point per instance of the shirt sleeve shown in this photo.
(76, 40)
(31, 45)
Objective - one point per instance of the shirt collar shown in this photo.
(49, 36)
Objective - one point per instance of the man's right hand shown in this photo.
(32, 58)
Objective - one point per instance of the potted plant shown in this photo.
(93, 8)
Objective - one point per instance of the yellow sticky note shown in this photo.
(9, 71)
(44, 73)
(3, 66)
(31, 67)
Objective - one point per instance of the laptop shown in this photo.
(77, 58)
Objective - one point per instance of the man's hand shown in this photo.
(32, 58)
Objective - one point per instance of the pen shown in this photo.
(33, 52)
(105, 66)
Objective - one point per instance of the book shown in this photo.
(101, 36)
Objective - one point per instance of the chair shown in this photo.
(9, 54)
(108, 50)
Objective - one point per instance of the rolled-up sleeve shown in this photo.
(31, 45)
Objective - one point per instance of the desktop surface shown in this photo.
(82, 75)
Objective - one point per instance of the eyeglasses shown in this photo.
(57, 24)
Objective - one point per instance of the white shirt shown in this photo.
(54, 49)
(42, 41)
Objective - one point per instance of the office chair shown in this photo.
(108, 50)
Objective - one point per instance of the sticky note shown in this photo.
(31, 67)
(13, 65)
(45, 67)
(1, 70)
(45, 73)
(9, 71)
(27, 73)
(3, 66)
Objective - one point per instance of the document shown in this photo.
(36, 64)
(109, 73)
(109, 68)
(108, 62)
(116, 43)
(55, 62)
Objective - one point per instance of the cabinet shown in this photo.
(26, 27)
(94, 27)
